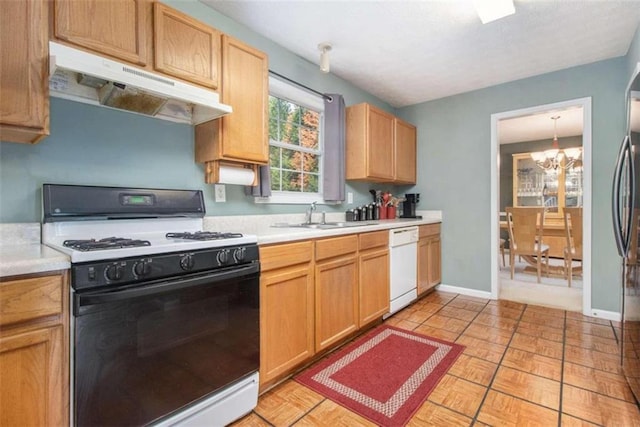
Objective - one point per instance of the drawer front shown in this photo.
(374, 239)
(429, 230)
(28, 299)
(284, 255)
(336, 246)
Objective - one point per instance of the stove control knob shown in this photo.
(187, 262)
(223, 256)
(141, 268)
(239, 254)
(114, 272)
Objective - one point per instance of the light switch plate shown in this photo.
(221, 194)
(349, 197)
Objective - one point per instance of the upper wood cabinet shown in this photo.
(24, 85)
(380, 147)
(369, 140)
(135, 31)
(241, 136)
(405, 142)
(118, 28)
(34, 350)
(184, 47)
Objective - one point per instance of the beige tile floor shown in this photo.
(523, 365)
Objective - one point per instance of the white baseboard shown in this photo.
(604, 314)
(464, 291)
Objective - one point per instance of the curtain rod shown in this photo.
(327, 97)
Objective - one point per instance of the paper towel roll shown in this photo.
(233, 175)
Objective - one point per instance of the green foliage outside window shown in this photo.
(294, 152)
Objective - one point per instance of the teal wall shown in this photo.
(97, 146)
(91, 145)
(454, 138)
(633, 56)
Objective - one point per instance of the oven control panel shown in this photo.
(142, 269)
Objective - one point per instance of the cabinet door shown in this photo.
(374, 285)
(336, 300)
(380, 157)
(34, 387)
(286, 320)
(405, 152)
(185, 48)
(245, 77)
(423, 266)
(118, 28)
(24, 88)
(243, 135)
(434, 262)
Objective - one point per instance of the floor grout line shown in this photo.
(564, 345)
(569, 325)
(486, 393)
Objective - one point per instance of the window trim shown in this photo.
(288, 91)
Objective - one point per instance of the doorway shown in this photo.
(528, 290)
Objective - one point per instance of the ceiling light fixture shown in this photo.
(324, 49)
(552, 159)
(490, 10)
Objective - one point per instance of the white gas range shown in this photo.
(165, 316)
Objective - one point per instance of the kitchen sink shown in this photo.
(326, 225)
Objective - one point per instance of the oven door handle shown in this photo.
(84, 300)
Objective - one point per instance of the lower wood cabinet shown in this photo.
(429, 257)
(373, 268)
(336, 288)
(316, 293)
(34, 351)
(286, 308)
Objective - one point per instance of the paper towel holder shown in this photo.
(212, 170)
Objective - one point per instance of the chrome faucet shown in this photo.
(309, 214)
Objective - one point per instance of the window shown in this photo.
(295, 143)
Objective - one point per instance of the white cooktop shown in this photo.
(154, 230)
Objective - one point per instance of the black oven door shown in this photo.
(144, 352)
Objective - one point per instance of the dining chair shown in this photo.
(503, 241)
(573, 249)
(525, 226)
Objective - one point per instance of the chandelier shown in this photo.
(552, 159)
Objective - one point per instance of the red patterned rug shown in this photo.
(384, 375)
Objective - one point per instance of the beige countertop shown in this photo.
(271, 235)
(30, 258)
(262, 225)
(21, 251)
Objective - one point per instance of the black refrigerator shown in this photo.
(626, 225)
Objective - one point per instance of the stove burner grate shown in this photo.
(106, 243)
(203, 235)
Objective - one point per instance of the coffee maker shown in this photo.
(409, 205)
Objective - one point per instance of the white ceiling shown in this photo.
(408, 51)
(539, 126)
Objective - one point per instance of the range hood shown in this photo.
(80, 76)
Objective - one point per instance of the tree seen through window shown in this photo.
(294, 151)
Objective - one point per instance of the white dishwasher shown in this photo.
(403, 254)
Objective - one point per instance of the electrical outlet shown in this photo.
(349, 197)
(221, 195)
